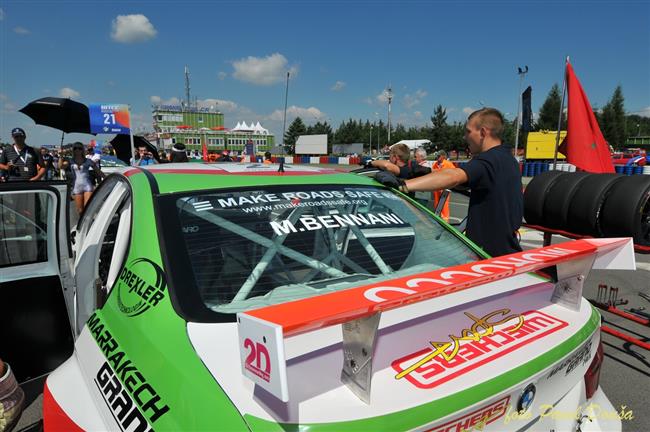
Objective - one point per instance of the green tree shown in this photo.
(550, 110)
(439, 135)
(296, 128)
(613, 119)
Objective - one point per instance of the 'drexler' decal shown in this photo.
(140, 286)
(481, 343)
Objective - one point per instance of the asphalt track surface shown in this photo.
(625, 374)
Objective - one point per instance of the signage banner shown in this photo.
(109, 119)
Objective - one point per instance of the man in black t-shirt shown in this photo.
(496, 201)
(20, 161)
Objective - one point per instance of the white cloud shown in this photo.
(645, 112)
(21, 30)
(222, 105)
(222, 75)
(157, 100)
(382, 97)
(7, 105)
(469, 110)
(338, 86)
(67, 92)
(368, 100)
(307, 114)
(263, 70)
(2, 14)
(411, 100)
(132, 28)
(417, 114)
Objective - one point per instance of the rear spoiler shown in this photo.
(262, 332)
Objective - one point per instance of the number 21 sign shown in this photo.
(109, 119)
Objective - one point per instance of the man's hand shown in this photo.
(389, 179)
(367, 163)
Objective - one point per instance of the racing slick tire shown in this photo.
(584, 211)
(560, 194)
(535, 195)
(626, 211)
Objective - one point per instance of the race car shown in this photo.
(240, 297)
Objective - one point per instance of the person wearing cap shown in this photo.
(267, 158)
(20, 161)
(441, 163)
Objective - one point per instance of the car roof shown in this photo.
(186, 177)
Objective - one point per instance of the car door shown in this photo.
(101, 243)
(36, 286)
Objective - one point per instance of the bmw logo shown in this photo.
(526, 398)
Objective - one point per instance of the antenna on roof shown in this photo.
(187, 87)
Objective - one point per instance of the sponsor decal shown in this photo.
(133, 402)
(581, 356)
(475, 348)
(310, 223)
(526, 399)
(457, 278)
(257, 361)
(476, 420)
(140, 286)
(481, 327)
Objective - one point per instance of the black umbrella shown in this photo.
(122, 145)
(60, 113)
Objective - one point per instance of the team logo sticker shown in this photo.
(140, 286)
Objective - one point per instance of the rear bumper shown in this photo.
(595, 415)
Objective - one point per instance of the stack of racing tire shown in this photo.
(596, 205)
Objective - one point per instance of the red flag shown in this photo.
(205, 150)
(584, 145)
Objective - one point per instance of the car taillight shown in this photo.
(592, 376)
(54, 418)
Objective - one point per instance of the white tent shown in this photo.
(414, 144)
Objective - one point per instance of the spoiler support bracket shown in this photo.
(359, 337)
(570, 281)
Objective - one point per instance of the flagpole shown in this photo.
(559, 118)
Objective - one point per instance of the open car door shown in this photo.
(36, 287)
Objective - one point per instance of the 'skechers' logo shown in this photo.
(476, 420)
(141, 285)
(472, 352)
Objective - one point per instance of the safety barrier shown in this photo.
(532, 169)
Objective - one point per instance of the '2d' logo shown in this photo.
(140, 286)
(258, 360)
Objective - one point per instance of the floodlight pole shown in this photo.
(389, 96)
(522, 73)
(284, 122)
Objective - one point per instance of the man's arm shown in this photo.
(40, 173)
(40, 165)
(386, 166)
(443, 179)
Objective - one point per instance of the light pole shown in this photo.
(389, 96)
(522, 73)
(370, 145)
(638, 129)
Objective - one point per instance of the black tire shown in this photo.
(535, 195)
(558, 199)
(626, 212)
(584, 210)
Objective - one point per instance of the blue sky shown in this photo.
(342, 54)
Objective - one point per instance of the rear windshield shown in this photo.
(246, 249)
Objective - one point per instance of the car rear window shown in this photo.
(245, 249)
